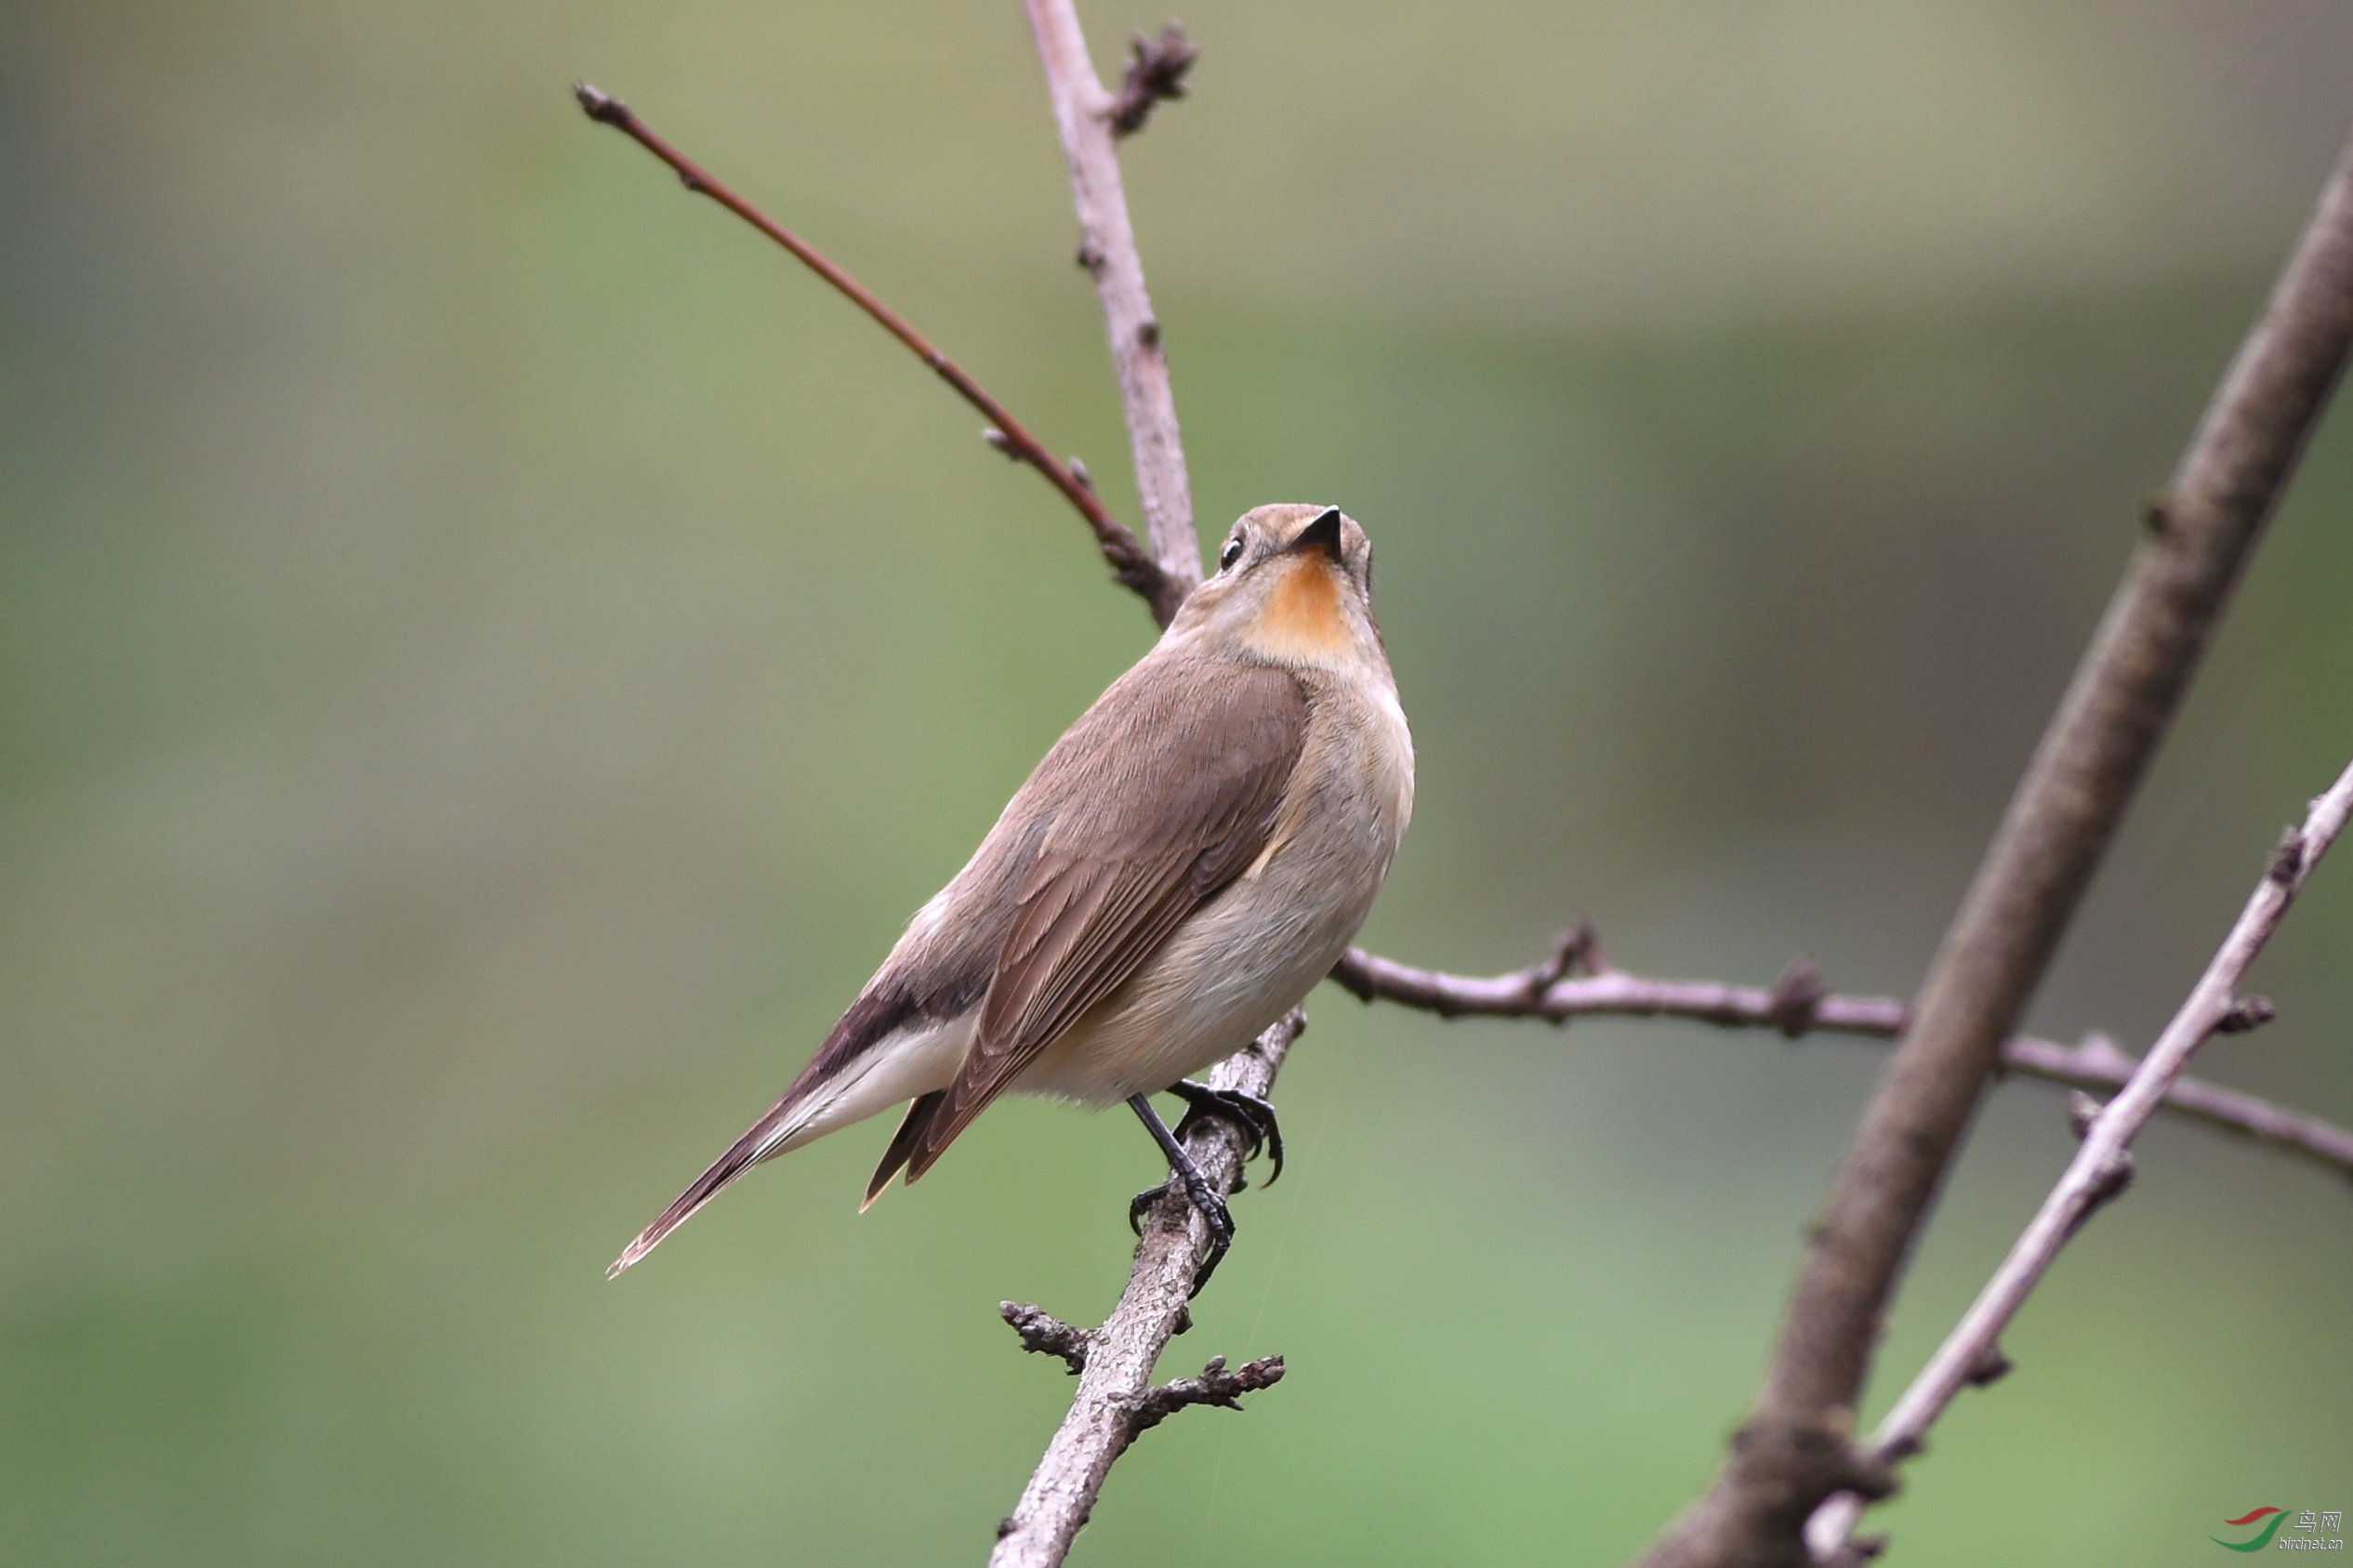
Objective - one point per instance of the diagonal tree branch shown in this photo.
(1090, 119)
(1798, 1005)
(1794, 1449)
(1129, 561)
(2099, 1169)
(1115, 1399)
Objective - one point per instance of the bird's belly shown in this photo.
(1239, 963)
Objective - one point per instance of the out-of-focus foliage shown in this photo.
(490, 652)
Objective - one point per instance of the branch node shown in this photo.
(1580, 943)
(2288, 859)
(1044, 1333)
(2251, 1011)
(1001, 441)
(1588, 939)
(1990, 1367)
(1868, 1476)
(601, 107)
(1156, 73)
(2106, 1187)
(1078, 472)
(1214, 1386)
(1148, 333)
(2114, 1178)
(2157, 512)
(1088, 257)
(1795, 997)
(1795, 1463)
(2081, 1109)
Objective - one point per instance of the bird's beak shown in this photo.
(1323, 535)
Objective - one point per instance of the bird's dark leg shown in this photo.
(1254, 1116)
(1182, 1171)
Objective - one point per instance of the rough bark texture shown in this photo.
(1115, 1399)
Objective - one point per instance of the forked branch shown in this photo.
(1115, 1399)
(2100, 1168)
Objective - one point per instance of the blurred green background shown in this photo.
(490, 655)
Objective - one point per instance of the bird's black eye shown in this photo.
(1232, 553)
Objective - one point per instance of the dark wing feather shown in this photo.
(1157, 820)
(911, 1125)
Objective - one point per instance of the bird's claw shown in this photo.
(1214, 1213)
(1257, 1120)
(1253, 1117)
(1140, 1205)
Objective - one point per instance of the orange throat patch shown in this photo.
(1302, 619)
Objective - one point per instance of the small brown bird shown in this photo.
(1186, 863)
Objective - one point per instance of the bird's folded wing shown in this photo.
(1151, 825)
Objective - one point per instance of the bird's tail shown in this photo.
(862, 1067)
(767, 1136)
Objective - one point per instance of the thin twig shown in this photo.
(1130, 563)
(2059, 821)
(1798, 1005)
(2097, 1171)
(1084, 114)
(1046, 1335)
(1115, 1383)
(1214, 1386)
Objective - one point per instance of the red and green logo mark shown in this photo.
(2272, 1519)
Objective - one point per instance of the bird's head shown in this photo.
(1293, 586)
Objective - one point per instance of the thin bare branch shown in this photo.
(1214, 1386)
(1798, 1005)
(2096, 1173)
(1084, 114)
(2053, 836)
(1130, 563)
(1046, 1335)
(1115, 1399)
